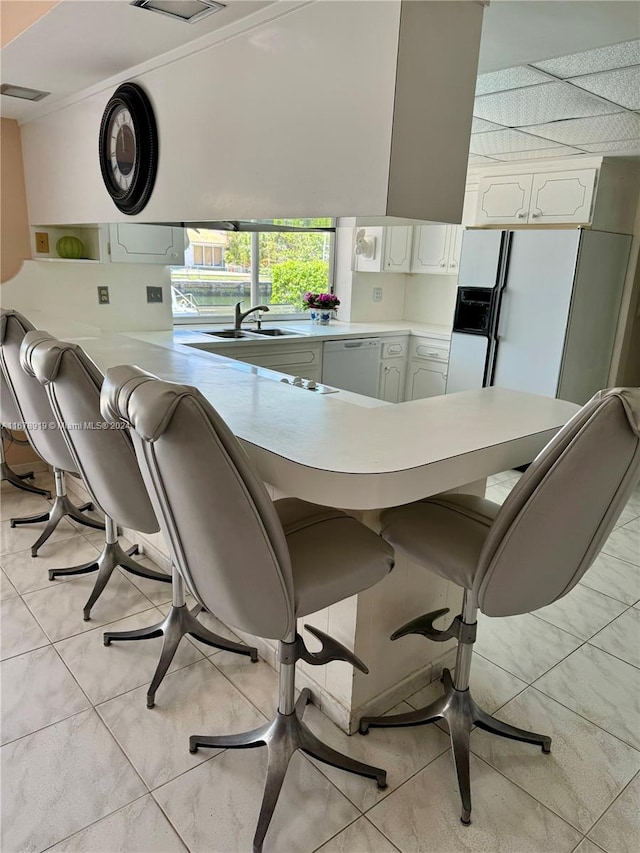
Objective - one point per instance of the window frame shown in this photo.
(217, 319)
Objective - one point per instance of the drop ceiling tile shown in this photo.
(479, 125)
(621, 86)
(618, 145)
(558, 151)
(475, 159)
(508, 78)
(582, 130)
(498, 141)
(589, 61)
(538, 104)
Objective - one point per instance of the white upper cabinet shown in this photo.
(382, 249)
(134, 243)
(436, 249)
(431, 248)
(536, 199)
(504, 199)
(562, 197)
(397, 248)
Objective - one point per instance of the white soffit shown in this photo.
(539, 104)
(561, 151)
(498, 141)
(622, 86)
(479, 125)
(590, 61)
(510, 78)
(607, 128)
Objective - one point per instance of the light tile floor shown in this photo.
(87, 768)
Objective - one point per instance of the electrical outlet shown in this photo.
(154, 294)
(377, 294)
(42, 242)
(103, 295)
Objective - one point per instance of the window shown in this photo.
(273, 267)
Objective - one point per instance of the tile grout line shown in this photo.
(606, 625)
(93, 823)
(566, 820)
(630, 782)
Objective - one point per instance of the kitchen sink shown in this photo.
(275, 333)
(235, 334)
(229, 333)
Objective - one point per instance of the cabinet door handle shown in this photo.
(522, 216)
(535, 215)
(454, 264)
(443, 264)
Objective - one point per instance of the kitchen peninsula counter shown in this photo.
(362, 455)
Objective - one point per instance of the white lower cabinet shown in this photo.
(392, 381)
(296, 359)
(393, 369)
(425, 379)
(427, 368)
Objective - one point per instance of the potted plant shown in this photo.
(321, 306)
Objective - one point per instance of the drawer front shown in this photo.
(282, 359)
(428, 348)
(394, 349)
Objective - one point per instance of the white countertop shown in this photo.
(343, 449)
(196, 333)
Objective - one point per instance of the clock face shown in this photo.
(121, 139)
(128, 148)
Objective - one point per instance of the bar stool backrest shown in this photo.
(29, 396)
(221, 525)
(560, 513)
(103, 454)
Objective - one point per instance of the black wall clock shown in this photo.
(128, 148)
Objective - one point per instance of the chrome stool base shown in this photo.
(461, 713)
(178, 622)
(456, 706)
(284, 736)
(111, 556)
(18, 480)
(62, 508)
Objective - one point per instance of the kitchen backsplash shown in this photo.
(430, 298)
(70, 289)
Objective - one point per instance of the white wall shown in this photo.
(291, 118)
(430, 298)
(391, 307)
(69, 290)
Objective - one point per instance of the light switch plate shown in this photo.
(103, 295)
(154, 294)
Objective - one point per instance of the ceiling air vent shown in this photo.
(22, 92)
(190, 11)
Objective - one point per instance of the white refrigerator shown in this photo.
(537, 310)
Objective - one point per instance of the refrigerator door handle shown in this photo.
(503, 316)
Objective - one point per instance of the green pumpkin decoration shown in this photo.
(70, 248)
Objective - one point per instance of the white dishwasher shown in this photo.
(353, 365)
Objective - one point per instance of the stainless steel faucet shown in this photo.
(240, 315)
